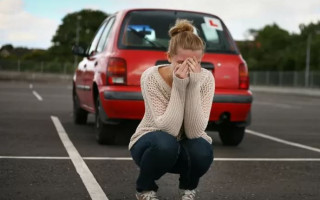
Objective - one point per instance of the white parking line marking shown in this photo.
(94, 189)
(35, 157)
(37, 95)
(218, 159)
(283, 141)
(269, 159)
(107, 158)
(130, 159)
(279, 105)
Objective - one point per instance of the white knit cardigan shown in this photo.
(182, 111)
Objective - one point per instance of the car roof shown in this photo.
(125, 11)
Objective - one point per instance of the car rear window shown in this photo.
(148, 29)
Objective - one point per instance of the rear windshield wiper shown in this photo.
(146, 39)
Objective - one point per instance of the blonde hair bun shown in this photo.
(182, 25)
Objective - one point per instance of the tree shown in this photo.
(274, 42)
(270, 49)
(311, 30)
(8, 51)
(37, 55)
(273, 37)
(273, 48)
(88, 21)
(7, 47)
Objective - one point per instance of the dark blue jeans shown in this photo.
(157, 153)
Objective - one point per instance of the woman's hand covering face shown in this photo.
(182, 70)
(193, 65)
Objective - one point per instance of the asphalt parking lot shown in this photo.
(43, 155)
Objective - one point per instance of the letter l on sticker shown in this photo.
(213, 23)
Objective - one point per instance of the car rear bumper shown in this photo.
(128, 104)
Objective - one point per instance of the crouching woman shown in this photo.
(171, 137)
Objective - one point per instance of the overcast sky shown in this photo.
(32, 23)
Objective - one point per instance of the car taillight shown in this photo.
(243, 77)
(116, 71)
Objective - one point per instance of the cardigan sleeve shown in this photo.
(167, 116)
(198, 104)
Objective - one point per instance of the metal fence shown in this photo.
(285, 78)
(36, 66)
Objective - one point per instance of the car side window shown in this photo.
(95, 41)
(104, 37)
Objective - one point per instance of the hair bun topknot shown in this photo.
(181, 26)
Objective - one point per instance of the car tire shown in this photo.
(231, 135)
(80, 115)
(105, 133)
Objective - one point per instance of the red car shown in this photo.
(107, 80)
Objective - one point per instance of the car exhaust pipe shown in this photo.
(224, 118)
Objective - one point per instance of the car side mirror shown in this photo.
(79, 51)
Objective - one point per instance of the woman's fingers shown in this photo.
(194, 65)
(193, 61)
(181, 70)
(185, 70)
(188, 65)
(191, 66)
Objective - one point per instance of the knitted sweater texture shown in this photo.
(181, 110)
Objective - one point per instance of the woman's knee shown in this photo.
(200, 153)
(158, 144)
(165, 144)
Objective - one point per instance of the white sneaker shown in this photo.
(188, 194)
(147, 195)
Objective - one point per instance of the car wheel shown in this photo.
(105, 133)
(80, 116)
(231, 135)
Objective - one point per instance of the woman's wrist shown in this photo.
(195, 78)
(180, 83)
